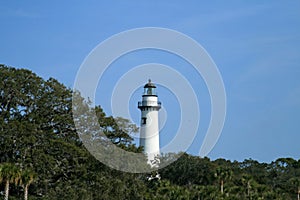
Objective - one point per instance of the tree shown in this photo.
(295, 185)
(9, 173)
(247, 183)
(37, 131)
(187, 169)
(118, 130)
(223, 173)
(27, 177)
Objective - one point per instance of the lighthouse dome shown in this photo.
(149, 84)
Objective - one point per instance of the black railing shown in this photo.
(149, 103)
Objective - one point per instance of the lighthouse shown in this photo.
(149, 131)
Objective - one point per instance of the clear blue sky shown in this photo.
(255, 45)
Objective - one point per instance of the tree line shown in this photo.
(42, 157)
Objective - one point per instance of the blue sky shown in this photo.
(255, 45)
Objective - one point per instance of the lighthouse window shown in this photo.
(149, 91)
(144, 120)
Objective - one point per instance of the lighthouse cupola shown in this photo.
(150, 89)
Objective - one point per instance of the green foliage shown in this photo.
(40, 152)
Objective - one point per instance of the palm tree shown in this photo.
(246, 181)
(223, 174)
(9, 173)
(295, 183)
(27, 177)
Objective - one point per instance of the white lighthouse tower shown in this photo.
(149, 132)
